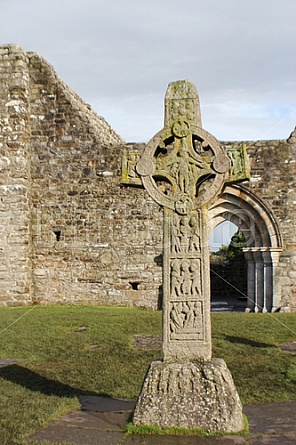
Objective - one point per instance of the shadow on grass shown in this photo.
(246, 341)
(36, 382)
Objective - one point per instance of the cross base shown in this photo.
(193, 395)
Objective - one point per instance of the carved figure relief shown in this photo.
(235, 162)
(132, 161)
(183, 233)
(129, 175)
(194, 241)
(186, 319)
(175, 235)
(185, 236)
(185, 278)
(175, 278)
(195, 277)
(239, 168)
(183, 165)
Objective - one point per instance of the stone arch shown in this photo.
(264, 242)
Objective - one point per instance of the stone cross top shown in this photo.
(183, 168)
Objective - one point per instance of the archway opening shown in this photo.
(221, 235)
(228, 268)
(256, 222)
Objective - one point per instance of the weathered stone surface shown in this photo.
(189, 395)
(188, 389)
(183, 168)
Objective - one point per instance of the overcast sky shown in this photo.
(120, 55)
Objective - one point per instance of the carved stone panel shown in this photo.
(239, 165)
(185, 235)
(186, 320)
(186, 287)
(185, 278)
(129, 176)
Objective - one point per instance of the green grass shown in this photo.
(175, 431)
(59, 363)
(249, 345)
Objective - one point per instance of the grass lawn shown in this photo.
(59, 361)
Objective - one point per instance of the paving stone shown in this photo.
(79, 436)
(270, 424)
(105, 404)
(112, 421)
(273, 440)
(101, 421)
(271, 418)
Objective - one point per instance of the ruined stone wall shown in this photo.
(15, 181)
(273, 173)
(273, 177)
(273, 180)
(71, 233)
(94, 241)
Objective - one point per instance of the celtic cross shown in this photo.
(183, 168)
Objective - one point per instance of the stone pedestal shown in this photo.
(194, 395)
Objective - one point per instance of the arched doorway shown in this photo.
(240, 206)
(228, 269)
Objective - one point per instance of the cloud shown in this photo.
(120, 55)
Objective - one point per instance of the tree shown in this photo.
(234, 250)
(235, 247)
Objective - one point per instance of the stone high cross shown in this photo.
(183, 168)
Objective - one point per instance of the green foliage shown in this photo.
(170, 431)
(174, 431)
(59, 361)
(234, 250)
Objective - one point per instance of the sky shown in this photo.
(120, 55)
(221, 235)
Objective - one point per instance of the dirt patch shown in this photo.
(8, 361)
(147, 342)
(290, 347)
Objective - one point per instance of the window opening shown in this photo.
(134, 285)
(58, 234)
